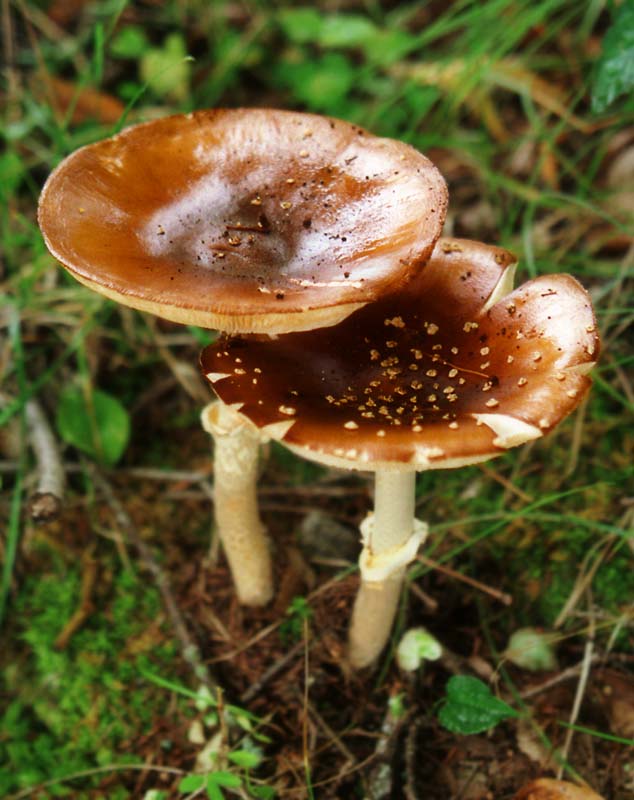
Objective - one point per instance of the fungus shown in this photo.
(247, 221)
(453, 369)
(244, 220)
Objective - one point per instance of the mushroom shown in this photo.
(453, 369)
(247, 221)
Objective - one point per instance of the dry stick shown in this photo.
(581, 689)
(86, 605)
(495, 593)
(577, 438)
(87, 773)
(45, 503)
(565, 675)
(306, 756)
(506, 483)
(270, 673)
(583, 581)
(189, 648)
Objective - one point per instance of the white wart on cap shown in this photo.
(452, 370)
(247, 220)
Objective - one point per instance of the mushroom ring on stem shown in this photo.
(453, 369)
(247, 221)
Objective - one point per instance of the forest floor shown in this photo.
(128, 669)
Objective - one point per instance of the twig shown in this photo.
(189, 648)
(506, 483)
(503, 597)
(46, 502)
(581, 690)
(271, 672)
(564, 675)
(584, 579)
(305, 751)
(333, 737)
(87, 773)
(577, 438)
(86, 606)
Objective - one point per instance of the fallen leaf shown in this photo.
(617, 696)
(551, 789)
(84, 104)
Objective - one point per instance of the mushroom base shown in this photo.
(372, 617)
(238, 523)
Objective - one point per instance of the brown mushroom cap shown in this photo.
(447, 372)
(248, 220)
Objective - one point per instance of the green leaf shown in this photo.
(470, 706)
(416, 646)
(214, 792)
(245, 758)
(12, 170)
(191, 783)
(531, 649)
(221, 778)
(263, 792)
(301, 25)
(387, 46)
(130, 42)
(614, 74)
(346, 30)
(322, 83)
(100, 428)
(166, 69)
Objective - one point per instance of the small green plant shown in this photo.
(95, 423)
(297, 614)
(615, 70)
(470, 706)
(218, 716)
(417, 646)
(215, 781)
(531, 649)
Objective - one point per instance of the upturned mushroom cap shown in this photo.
(452, 370)
(248, 220)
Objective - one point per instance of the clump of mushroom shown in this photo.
(247, 221)
(453, 369)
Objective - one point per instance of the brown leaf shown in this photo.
(551, 789)
(617, 695)
(84, 103)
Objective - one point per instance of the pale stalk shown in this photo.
(243, 537)
(391, 537)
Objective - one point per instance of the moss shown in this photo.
(76, 708)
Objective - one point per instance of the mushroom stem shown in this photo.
(238, 523)
(391, 538)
